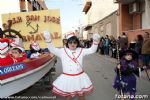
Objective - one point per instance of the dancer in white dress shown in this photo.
(73, 81)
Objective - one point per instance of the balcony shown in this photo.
(89, 26)
(126, 1)
(87, 6)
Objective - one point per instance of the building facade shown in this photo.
(107, 26)
(100, 17)
(133, 17)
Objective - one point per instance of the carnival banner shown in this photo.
(31, 25)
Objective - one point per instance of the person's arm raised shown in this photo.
(93, 48)
(50, 46)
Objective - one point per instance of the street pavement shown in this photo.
(101, 72)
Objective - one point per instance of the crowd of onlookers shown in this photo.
(115, 47)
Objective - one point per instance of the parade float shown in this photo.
(19, 76)
(29, 27)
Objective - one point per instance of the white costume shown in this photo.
(73, 81)
(17, 43)
(35, 46)
(35, 55)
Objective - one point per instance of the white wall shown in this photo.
(99, 10)
(146, 15)
(8, 6)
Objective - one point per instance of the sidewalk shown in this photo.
(113, 60)
(144, 75)
(108, 58)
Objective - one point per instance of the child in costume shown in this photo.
(35, 50)
(73, 81)
(17, 54)
(128, 68)
(17, 51)
(5, 58)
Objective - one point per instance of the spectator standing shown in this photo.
(113, 47)
(139, 43)
(101, 45)
(123, 41)
(146, 49)
(106, 45)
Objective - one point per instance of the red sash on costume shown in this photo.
(74, 74)
(75, 58)
(76, 61)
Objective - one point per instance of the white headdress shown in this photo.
(17, 43)
(70, 34)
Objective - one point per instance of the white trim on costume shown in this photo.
(82, 92)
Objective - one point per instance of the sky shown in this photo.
(6, 9)
(70, 13)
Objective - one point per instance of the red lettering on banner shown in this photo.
(39, 37)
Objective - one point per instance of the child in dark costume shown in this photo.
(128, 68)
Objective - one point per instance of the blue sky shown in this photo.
(70, 12)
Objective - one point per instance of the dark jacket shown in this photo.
(146, 47)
